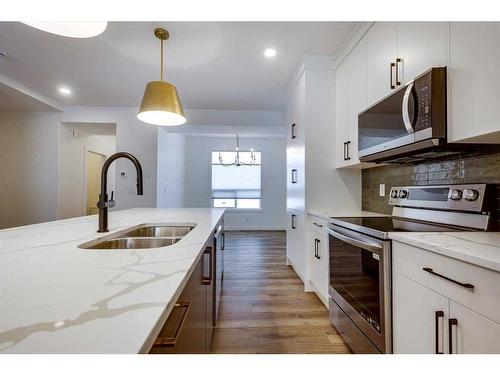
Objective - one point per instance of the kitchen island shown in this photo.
(59, 298)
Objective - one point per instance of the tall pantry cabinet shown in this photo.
(313, 183)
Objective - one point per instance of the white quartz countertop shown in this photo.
(342, 213)
(479, 248)
(57, 298)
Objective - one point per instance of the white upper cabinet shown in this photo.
(381, 44)
(341, 115)
(473, 82)
(350, 100)
(420, 46)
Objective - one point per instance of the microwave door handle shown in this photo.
(406, 112)
(351, 241)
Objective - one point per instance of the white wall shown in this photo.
(72, 182)
(29, 141)
(198, 178)
(132, 136)
(28, 167)
(171, 169)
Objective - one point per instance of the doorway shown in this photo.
(93, 168)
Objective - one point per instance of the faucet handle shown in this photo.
(111, 202)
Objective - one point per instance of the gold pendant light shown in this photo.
(161, 104)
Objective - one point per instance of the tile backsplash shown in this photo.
(457, 170)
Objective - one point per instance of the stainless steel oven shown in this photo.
(408, 121)
(360, 289)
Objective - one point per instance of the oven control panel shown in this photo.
(469, 197)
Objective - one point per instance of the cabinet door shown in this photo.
(357, 62)
(323, 260)
(421, 46)
(187, 319)
(295, 149)
(315, 270)
(341, 113)
(416, 327)
(381, 52)
(473, 81)
(208, 261)
(473, 333)
(296, 242)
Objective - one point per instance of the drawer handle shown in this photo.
(172, 341)
(207, 280)
(464, 285)
(318, 225)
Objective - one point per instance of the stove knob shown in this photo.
(456, 194)
(394, 194)
(471, 194)
(403, 194)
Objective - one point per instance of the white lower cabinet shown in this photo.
(473, 333)
(432, 321)
(295, 240)
(318, 257)
(416, 314)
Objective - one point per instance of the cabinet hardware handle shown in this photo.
(398, 61)
(294, 176)
(464, 285)
(318, 225)
(345, 156)
(317, 249)
(451, 322)
(439, 314)
(207, 280)
(293, 221)
(393, 65)
(347, 147)
(172, 341)
(293, 131)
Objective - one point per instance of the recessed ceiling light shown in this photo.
(64, 91)
(270, 52)
(77, 29)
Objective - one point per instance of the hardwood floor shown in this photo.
(264, 308)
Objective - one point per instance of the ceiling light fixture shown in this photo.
(270, 52)
(237, 162)
(65, 91)
(77, 29)
(161, 104)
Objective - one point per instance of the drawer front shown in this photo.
(443, 275)
(318, 225)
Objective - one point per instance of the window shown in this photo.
(236, 186)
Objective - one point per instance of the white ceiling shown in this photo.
(215, 65)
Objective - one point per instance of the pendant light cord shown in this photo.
(161, 60)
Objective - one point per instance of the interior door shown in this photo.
(94, 163)
(473, 333)
(420, 318)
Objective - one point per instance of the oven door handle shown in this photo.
(406, 112)
(351, 241)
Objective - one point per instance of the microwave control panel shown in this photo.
(422, 92)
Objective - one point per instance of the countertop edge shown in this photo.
(458, 255)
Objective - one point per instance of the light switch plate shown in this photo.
(381, 190)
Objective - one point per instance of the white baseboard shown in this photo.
(243, 228)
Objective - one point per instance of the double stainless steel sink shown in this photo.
(143, 236)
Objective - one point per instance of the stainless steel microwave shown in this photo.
(409, 121)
